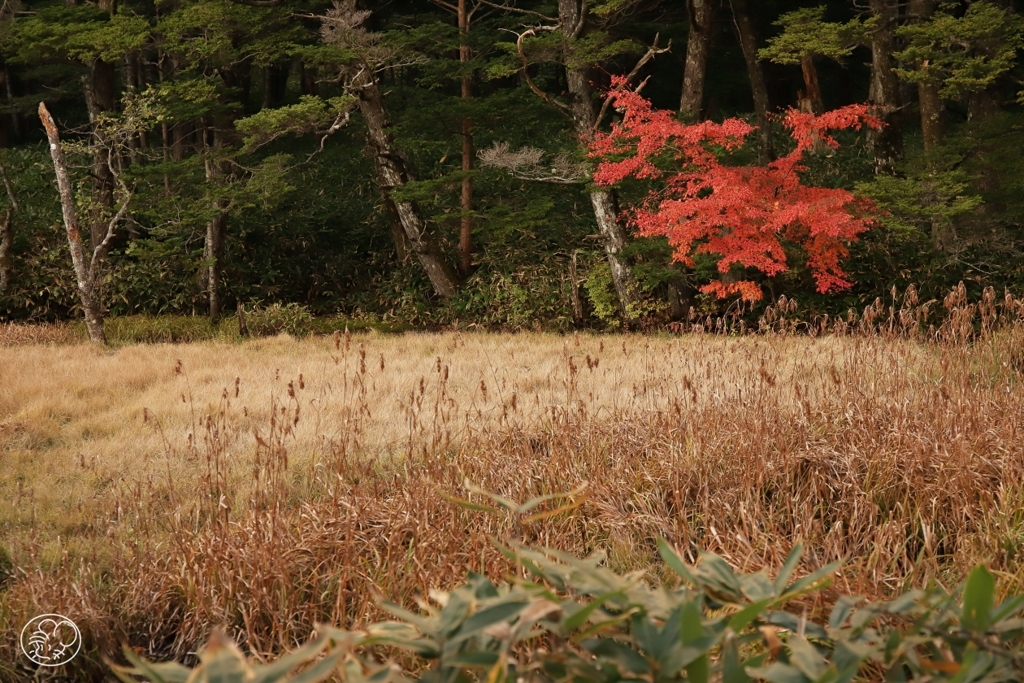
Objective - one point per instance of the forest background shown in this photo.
(423, 162)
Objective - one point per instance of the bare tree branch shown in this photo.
(652, 51)
(526, 67)
(510, 8)
(525, 164)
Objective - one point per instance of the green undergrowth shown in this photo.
(564, 619)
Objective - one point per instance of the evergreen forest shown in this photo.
(431, 162)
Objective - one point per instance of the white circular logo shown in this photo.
(51, 640)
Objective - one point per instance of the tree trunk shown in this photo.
(9, 91)
(88, 275)
(933, 121)
(466, 222)
(932, 109)
(216, 227)
(884, 92)
(394, 172)
(573, 23)
(100, 97)
(702, 13)
(815, 104)
(6, 244)
(213, 254)
(758, 87)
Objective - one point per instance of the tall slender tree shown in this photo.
(344, 27)
(758, 87)
(698, 45)
(884, 93)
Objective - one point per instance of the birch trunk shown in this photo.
(88, 272)
(216, 228)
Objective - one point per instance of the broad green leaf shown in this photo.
(557, 511)
(485, 617)
(843, 608)
(692, 629)
(580, 617)
(499, 672)
(788, 567)
(732, 669)
(806, 657)
(718, 573)
(503, 502)
(777, 672)
(273, 672)
(473, 659)
(322, 669)
(468, 504)
(454, 613)
(1008, 608)
(623, 656)
(740, 620)
(676, 563)
(978, 597)
(757, 586)
(534, 502)
(812, 581)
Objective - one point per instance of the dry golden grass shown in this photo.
(153, 492)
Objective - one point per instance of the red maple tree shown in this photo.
(741, 213)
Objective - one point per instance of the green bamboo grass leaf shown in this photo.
(273, 672)
(806, 657)
(509, 505)
(676, 563)
(732, 669)
(788, 567)
(580, 617)
(600, 626)
(475, 624)
(777, 672)
(740, 620)
(757, 586)
(534, 502)
(319, 671)
(557, 511)
(623, 656)
(1008, 608)
(719, 574)
(468, 505)
(482, 659)
(425, 624)
(692, 630)
(813, 581)
(978, 596)
(162, 672)
(842, 610)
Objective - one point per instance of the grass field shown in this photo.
(150, 492)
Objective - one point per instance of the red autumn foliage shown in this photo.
(741, 213)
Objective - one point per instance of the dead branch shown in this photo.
(526, 67)
(525, 164)
(652, 51)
